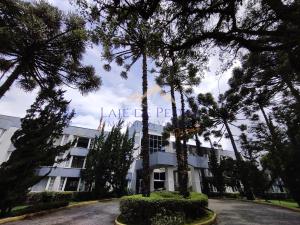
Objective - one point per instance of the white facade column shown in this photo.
(195, 175)
(169, 182)
(151, 181)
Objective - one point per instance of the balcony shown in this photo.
(161, 159)
(79, 151)
(59, 171)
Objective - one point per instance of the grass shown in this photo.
(289, 203)
(20, 207)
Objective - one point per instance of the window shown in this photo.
(61, 184)
(83, 142)
(77, 162)
(159, 180)
(51, 183)
(155, 144)
(72, 184)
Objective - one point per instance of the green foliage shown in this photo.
(143, 210)
(34, 143)
(42, 46)
(48, 196)
(217, 169)
(66, 196)
(168, 218)
(39, 207)
(108, 162)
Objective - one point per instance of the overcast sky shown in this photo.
(116, 95)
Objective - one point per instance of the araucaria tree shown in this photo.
(126, 38)
(181, 76)
(223, 113)
(34, 143)
(40, 44)
(108, 162)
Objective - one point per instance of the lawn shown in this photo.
(286, 203)
(289, 203)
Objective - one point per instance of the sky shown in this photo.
(117, 97)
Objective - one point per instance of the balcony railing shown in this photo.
(169, 159)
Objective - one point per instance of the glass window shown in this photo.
(155, 144)
(82, 142)
(61, 184)
(72, 184)
(77, 162)
(51, 183)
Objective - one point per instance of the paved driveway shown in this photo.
(232, 212)
(102, 213)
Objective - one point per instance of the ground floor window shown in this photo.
(51, 183)
(159, 177)
(71, 184)
(62, 183)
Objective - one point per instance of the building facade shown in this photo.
(65, 176)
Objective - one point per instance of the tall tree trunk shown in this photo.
(184, 156)
(9, 81)
(205, 188)
(177, 141)
(242, 171)
(236, 152)
(145, 138)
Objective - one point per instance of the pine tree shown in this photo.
(40, 45)
(34, 143)
(108, 162)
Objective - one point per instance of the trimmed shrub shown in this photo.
(39, 207)
(226, 195)
(83, 196)
(136, 209)
(48, 196)
(277, 196)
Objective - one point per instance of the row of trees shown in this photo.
(166, 30)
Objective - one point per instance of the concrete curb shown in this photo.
(30, 215)
(210, 221)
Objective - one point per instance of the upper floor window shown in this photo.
(77, 162)
(83, 142)
(155, 143)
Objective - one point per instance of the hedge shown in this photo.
(226, 195)
(48, 196)
(136, 209)
(39, 207)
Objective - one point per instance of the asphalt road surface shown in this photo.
(102, 213)
(232, 212)
(229, 212)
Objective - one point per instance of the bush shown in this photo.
(83, 196)
(39, 207)
(168, 218)
(48, 196)
(276, 196)
(226, 195)
(141, 210)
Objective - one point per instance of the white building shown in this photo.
(65, 176)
